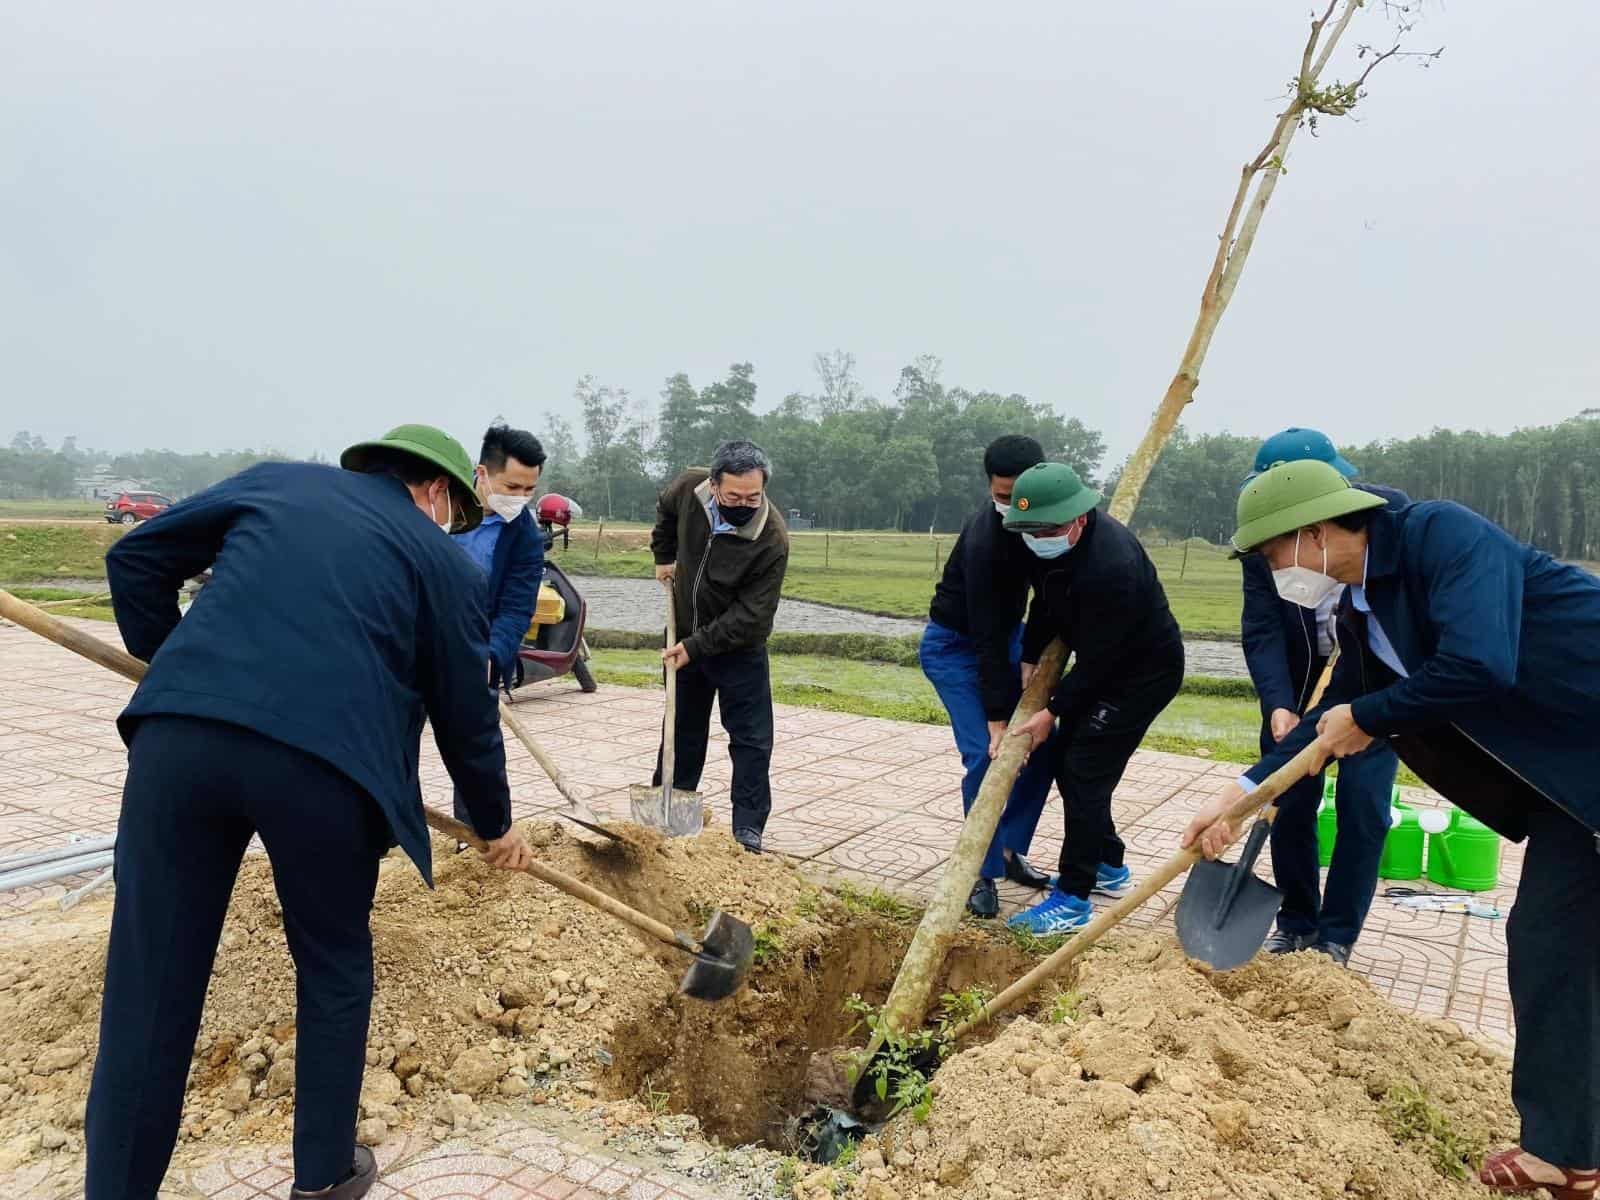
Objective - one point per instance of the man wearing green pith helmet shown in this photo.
(287, 704)
(1478, 659)
(1095, 589)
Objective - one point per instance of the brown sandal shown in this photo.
(1504, 1173)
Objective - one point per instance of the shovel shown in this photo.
(722, 957)
(677, 814)
(1225, 912)
(579, 813)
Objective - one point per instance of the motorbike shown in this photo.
(554, 644)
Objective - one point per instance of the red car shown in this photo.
(132, 507)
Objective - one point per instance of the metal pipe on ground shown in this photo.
(70, 850)
(47, 872)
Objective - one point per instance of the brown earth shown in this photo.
(1278, 1081)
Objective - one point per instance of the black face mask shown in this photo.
(738, 515)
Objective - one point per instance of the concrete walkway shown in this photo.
(853, 796)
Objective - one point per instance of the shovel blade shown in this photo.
(683, 815)
(726, 951)
(1234, 939)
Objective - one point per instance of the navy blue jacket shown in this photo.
(337, 618)
(518, 569)
(1501, 644)
(1279, 637)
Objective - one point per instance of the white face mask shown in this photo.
(1049, 547)
(1002, 509)
(1302, 585)
(449, 515)
(509, 508)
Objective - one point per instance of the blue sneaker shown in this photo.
(1113, 881)
(1056, 913)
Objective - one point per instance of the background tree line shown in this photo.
(849, 460)
(1540, 484)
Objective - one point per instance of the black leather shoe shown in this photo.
(984, 903)
(1334, 950)
(1287, 943)
(363, 1174)
(1020, 870)
(750, 839)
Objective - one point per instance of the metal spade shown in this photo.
(1225, 912)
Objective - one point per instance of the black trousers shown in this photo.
(196, 791)
(1334, 912)
(1553, 967)
(742, 685)
(1090, 759)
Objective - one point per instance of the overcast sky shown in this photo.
(294, 224)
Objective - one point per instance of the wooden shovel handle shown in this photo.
(1280, 781)
(573, 887)
(32, 617)
(546, 763)
(669, 722)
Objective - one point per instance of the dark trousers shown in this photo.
(950, 661)
(1553, 967)
(741, 684)
(1335, 912)
(195, 793)
(1090, 759)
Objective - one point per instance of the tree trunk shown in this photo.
(907, 1005)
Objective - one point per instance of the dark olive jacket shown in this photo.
(726, 586)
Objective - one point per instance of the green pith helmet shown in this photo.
(1046, 496)
(433, 446)
(1291, 496)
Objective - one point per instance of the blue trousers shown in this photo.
(1337, 911)
(950, 661)
(196, 790)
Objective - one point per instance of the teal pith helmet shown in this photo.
(435, 446)
(1047, 496)
(1291, 496)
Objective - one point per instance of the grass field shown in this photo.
(893, 574)
(54, 510)
(887, 573)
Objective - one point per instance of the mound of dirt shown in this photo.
(1288, 1078)
(492, 987)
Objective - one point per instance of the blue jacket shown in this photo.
(337, 618)
(513, 590)
(1501, 644)
(1280, 638)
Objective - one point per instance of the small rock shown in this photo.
(595, 983)
(280, 1079)
(371, 1132)
(1027, 1063)
(920, 1140)
(256, 1063)
(380, 1088)
(902, 1159)
(551, 929)
(404, 1040)
(1232, 1120)
(252, 1046)
(566, 1002)
(879, 1190)
(528, 1022)
(560, 979)
(585, 1004)
(513, 1087)
(516, 995)
(1180, 1083)
(584, 1086)
(871, 1159)
(485, 1009)
(560, 1058)
(551, 997)
(1362, 1033)
(236, 1096)
(414, 1086)
(51, 1138)
(474, 1071)
(1342, 1010)
(669, 1145)
(521, 945)
(1119, 1059)
(407, 1065)
(1114, 1102)
(62, 1058)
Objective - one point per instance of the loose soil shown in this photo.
(1288, 1078)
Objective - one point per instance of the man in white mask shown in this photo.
(508, 547)
(1287, 630)
(1096, 589)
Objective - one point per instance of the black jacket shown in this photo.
(982, 594)
(726, 587)
(1280, 638)
(337, 620)
(1104, 601)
